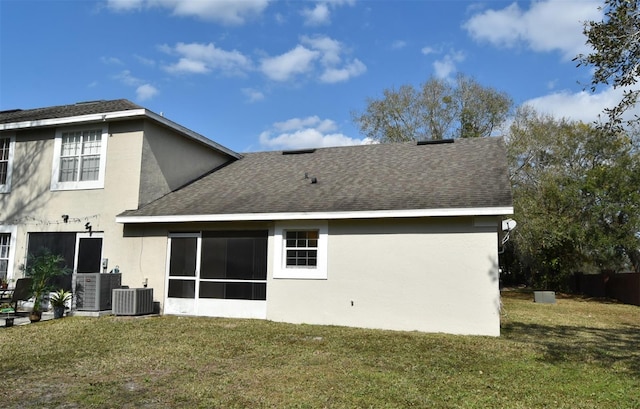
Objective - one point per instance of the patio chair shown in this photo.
(22, 292)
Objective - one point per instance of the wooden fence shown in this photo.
(624, 287)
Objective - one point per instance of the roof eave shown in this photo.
(372, 214)
(118, 115)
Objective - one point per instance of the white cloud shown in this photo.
(353, 69)
(446, 66)
(146, 91)
(398, 44)
(280, 18)
(310, 132)
(294, 124)
(551, 25)
(111, 60)
(145, 61)
(317, 16)
(127, 78)
(320, 14)
(428, 50)
(186, 65)
(196, 58)
(329, 48)
(125, 5)
(305, 58)
(283, 67)
(229, 12)
(580, 106)
(333, 68)
(253, 95)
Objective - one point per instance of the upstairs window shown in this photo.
(79, 160)
(80, 156)
(6, 163)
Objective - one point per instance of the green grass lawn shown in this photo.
(574, 354)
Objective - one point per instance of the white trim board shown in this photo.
(369, 214)
(108, 116)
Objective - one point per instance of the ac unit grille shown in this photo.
(132, 301)
(93, 291)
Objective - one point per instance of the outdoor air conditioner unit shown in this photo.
(93, 290)
(132, 301)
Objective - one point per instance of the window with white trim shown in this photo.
(300, 250)
(79, 158)
(7, 251)
(5, 246)
(7, 145)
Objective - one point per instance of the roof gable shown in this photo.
(466, 174)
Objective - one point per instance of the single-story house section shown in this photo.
(391, 236)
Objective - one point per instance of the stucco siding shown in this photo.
(425, 274)
(33, 207)
(170, 160)
(143, 248)
(434, 275)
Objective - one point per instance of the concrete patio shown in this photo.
(22, 318)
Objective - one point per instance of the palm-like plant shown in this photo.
(59, 302)
(42, 268)
(60, 298)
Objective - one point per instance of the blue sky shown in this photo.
(262, 75)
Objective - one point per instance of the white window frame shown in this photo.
(57, 151)
(13, 232)
(280, 268)
(6, 187)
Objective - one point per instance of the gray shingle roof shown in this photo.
(64, 111)
(19, 118)
(470, 173)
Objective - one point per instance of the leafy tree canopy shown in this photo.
(438, 109)
(616, 55)
(576, 197)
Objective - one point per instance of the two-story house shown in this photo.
(394, 236)
(67, 171)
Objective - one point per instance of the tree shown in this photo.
(576, 197)
(437, 110)
(481, 109)
(616, 55)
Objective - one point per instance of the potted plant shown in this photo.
(58, 301)
(7, 312)
(42, 268)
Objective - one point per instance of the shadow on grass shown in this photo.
(606, 347)
(526, 294)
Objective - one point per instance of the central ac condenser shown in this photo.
(132, 301)
(93, 290)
